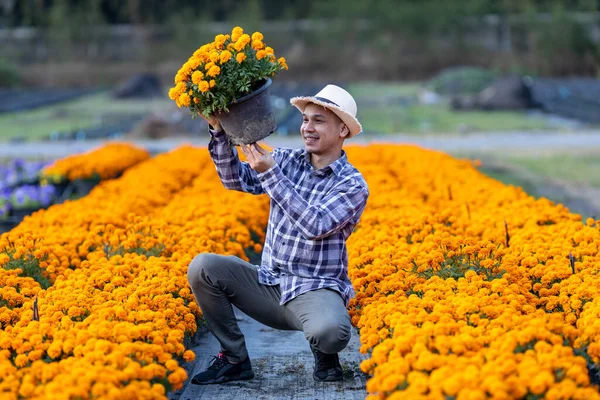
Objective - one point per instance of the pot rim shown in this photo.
(258, 91)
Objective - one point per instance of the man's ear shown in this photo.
(345, 131)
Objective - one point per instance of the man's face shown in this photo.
(321, 129)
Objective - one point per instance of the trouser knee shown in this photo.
(329, 338)
(201, 267)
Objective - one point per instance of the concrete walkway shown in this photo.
(283, 365)
(489, 141)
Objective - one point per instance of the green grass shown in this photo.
(381, 111)
(511, 178)
(439, 119)
(544, 174)
(370, 90)
(576, 168)
(76, 114)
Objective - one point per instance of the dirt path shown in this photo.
(283, 364)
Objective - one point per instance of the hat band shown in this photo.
(324, 100)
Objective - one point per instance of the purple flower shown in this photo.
(47, 195)
(12, 177)
(25, 196)
(4, 210)
(33, 196)
(18, 163)
(19, 197)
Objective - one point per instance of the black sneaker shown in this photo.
(221, 370)
(327, 367)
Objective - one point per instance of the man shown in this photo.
(317, 198)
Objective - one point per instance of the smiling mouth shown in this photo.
(311, 139)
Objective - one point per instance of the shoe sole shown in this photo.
(329, 378)
(246, 375)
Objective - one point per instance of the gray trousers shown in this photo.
(219, 281)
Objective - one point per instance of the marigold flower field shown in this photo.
(466, 288)
(105, 162)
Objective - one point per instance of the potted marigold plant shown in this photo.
(229, 78)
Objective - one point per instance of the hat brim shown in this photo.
(350, 120)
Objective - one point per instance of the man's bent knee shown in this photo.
(200, 266)
(329, 338)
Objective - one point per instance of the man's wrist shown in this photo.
(216, 133)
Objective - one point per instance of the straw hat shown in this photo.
(336, 99)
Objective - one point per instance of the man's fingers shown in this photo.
(257, 154)
(259, 149)
(247, 152)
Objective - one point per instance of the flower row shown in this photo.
(110, 310)
(468, 288)
(105, 162)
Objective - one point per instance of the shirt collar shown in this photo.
(336, 167)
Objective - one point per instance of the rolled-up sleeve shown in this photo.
(234, 174)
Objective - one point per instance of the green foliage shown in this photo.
(563, 34)
(9, 74)
(154, 251)
(28, 265)
(462, 80)
(456, 266)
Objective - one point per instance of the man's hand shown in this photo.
(212, 121)
(259, 159)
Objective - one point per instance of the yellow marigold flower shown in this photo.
(269, 50)
(590, 221)
(21, 360)
(171, 365)
(240, 57)
(185, 101)
(219, 40)
(257, 45)
(257, 36)
(194, 62)
(236, 33)
(209, 66)
(189, 355)
(260, 54)
(203, 86)
(212, 83)
(26, 389)
(214, 71)
(181, 76)
(225, 56)
(282, 62)
(214, 56)
(173, 94)
(197, 76)
(242, 42)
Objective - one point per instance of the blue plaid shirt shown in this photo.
(313, 212)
